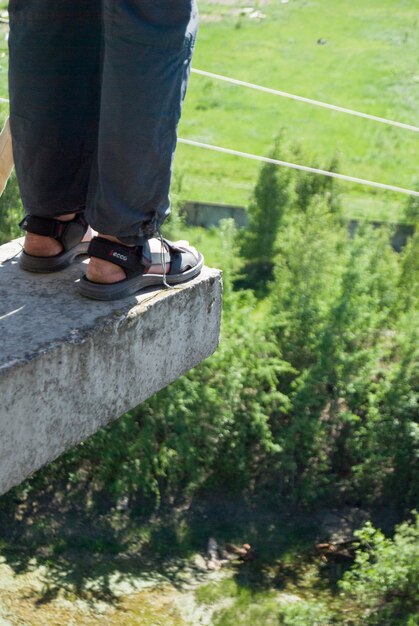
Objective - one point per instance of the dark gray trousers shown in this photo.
(96, 88)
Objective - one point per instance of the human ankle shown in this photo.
(66, 217)
(41, 245)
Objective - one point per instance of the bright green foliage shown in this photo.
(408, 286)
(315, 399)
(11, 211)
(281, 195)
(310, 398)
(411, 214)
(308, 269)
(308, 186)
(380, 589)
(384, 581)
(270, 200)
(175, 222)
(212, 425)
(250, 610)
(248, 607)
(306, 613)
(343, 312)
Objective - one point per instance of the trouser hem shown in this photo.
(144, 230)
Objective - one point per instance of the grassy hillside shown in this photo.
(369, 62)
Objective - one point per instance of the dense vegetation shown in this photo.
(312, 393)
(379, 590)
(311, 398)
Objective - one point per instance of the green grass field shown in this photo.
(369, 63)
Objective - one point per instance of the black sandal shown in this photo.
(184, 265)
(68, 234)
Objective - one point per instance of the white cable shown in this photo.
(303, 168)
(284, 94)
(318, 103)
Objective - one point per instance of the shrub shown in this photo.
(384, 581)
(281, 194)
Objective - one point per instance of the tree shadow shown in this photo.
(85, 551)
(87, 546)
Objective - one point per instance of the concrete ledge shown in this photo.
(208, 214)
(69, 365)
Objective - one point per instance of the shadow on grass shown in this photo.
(87, 549)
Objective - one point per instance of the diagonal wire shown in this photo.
(318, 103)
(303, 168)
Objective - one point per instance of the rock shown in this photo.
(212, 549)
(199, 562)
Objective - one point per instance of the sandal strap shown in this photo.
(130, 258)
(182, 258)
(134, 259)
(46, 226)
(68, 233)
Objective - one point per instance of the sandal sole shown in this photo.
(131, 286)
(44, 264)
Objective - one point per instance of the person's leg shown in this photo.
(148, 50)
(54, 84)
(77, 117)
(147, 55)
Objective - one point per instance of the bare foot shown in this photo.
(104, 272)
(38, 245)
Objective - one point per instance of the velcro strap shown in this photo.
(46, 226)
(130, 258)
(157, 258)
(74, 231)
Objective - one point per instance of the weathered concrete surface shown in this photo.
(69, 365)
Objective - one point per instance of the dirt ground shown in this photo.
(24, 602)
